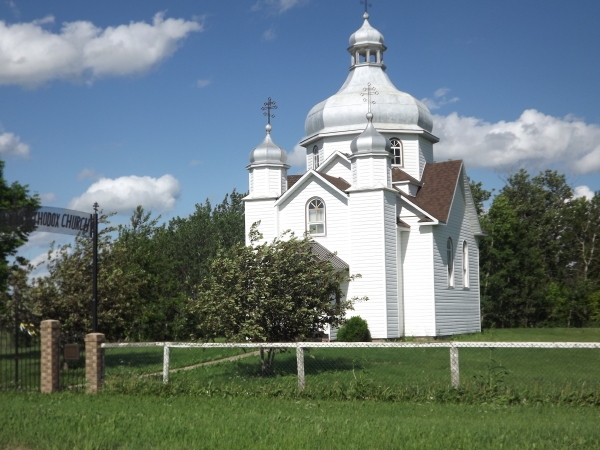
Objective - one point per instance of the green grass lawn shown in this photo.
(533, 335)
(404, 373)
(67, 421)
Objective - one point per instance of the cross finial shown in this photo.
(368, 91)
(269, 105)
(96, 206)
(367, 5)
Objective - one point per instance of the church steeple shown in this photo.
(366, 46)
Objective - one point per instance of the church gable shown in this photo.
(337, 165)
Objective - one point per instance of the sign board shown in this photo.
(49, 219)
(71, 352)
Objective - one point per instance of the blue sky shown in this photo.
(158, 102)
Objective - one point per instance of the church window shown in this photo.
(315, 157)
(465, 259)
(315, 212)
(450, 258)
(396, 146)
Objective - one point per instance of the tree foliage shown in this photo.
(14, 197)
(273, 292)
(539, 262)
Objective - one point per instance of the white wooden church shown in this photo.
(374, 194)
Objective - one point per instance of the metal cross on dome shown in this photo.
(269, 105)
(368, 91)
(367, 5)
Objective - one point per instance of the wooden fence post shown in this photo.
(50, 364)
(454, 367)
(300, 364)
(166, 362)
(94, 362)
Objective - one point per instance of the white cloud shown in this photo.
(203, 83)
(13, 7)
(583, 191)
(533, 139)
(124, 194)
(297, 157)
(88, 174)
(31, 55)
(195, 162)
(48, 197)
(11, 145)
(439, 99)
(278, 6)
(269, 35)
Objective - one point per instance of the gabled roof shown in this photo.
(295, 181)
(439, 185)
(322, 253)
(331, 159)
(338, 182)
(399, 175)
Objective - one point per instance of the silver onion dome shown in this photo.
(268, 152)
(344, 111)
(366, 34)
(370, 140)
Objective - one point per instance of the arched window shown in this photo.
(465, 268)
(315, 217)
(450, 258)
(396, 146)
(315, 157)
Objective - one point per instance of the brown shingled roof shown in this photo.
(439, 182)
(291, 179)
(338, 182)
(400, 175)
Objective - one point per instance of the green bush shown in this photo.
(354, 330)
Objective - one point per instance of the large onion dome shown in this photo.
(344, 111)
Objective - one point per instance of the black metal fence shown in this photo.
(72, 362)
(20, 352)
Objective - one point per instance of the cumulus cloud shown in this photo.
(534, 139)
(203, 83)
(11, 145)
(278, 6)
(269, 35)
(88, 174)
(124, 194)
(31, 55)
(583, 191)
(439, 99)
(48, 197)
(297, 157)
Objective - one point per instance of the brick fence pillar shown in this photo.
(94, 362)
(50, 366)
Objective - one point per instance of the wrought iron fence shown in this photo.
(19, 350)
(395, 368)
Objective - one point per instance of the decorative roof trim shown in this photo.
(308, 140)
(331, 158)
(302, 181)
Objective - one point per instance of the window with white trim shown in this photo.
(465, 259)
(396, 147)
(315, 157)
(450, 262)
(315, 217)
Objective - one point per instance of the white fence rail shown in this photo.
(300, 346)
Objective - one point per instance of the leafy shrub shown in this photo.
(354, 330)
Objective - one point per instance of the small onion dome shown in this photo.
(370, 141)
(366, 35)
(268, 152)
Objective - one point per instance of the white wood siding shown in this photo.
(410, 152)
(458, 308)
(340, 168)
(264, 211)
(292, 215)
(391, 264)
(400, 288)
(332, 144)
(368, 247)
(425, 154)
